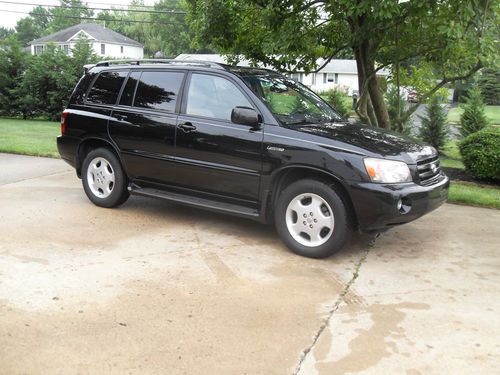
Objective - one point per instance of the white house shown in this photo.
(340, 74)
(104, 42)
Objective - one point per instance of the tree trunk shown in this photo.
(368, 83)
(362, 108)
(371, 113)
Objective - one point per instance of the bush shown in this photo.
(473, 118)
(337, 99)
(434, 129)
(481, 153)
(489, 82)
(393, 101)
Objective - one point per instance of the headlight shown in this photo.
(387, 171)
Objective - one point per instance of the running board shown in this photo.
(203, 203)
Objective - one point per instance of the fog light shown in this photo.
(404, 205)
(400, 204)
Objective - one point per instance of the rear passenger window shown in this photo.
(129, 90)
(107, 87)
(158, 90)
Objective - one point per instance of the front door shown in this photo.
(143, 124)
(215, 155)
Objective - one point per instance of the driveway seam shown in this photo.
(33, 178)
(335, 307)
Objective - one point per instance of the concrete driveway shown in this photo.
(155, 288)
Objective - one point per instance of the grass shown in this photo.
(29, 137)
(467, 192)
(492, 113)
(474, 195)
(451, 163)
(451, 157)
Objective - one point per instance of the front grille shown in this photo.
(428, 170)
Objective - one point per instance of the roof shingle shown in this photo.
(98, 32)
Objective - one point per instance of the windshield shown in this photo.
(291, 102)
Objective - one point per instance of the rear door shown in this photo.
(214, 154)
(143, 124)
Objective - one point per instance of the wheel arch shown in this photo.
(289, 174)
(92, 143)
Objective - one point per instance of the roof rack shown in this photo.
(209, 64)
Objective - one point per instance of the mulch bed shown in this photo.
(457, 174)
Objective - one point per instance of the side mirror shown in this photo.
(245, 116)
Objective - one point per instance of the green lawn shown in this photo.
(466, 192)
(474, 195)
(492, 113)
(29, 137)
(451, 156)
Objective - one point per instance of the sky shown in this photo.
(9, 19)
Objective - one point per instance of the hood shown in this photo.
(374, 141)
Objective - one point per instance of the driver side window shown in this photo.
(214, 97)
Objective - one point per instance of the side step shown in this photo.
(203, 203)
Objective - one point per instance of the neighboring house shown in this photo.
(340, 74)
(104, 42)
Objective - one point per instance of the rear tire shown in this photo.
(312, 219)
(103, 178)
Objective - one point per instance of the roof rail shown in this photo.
(209, 64)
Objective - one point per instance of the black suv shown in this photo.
(245, 141)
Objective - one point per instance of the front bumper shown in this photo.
(376, 205)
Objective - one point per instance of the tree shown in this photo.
(4, 32)
(434, 129)
(337, 99)
(26, 30)
(168, 32)
(473, 118)
(69, 13)
(395, 105)
(13, 62)
(489, 82)
(457, 37)
(82, 54)
(33, 26)
(46, 84)
(172, 33)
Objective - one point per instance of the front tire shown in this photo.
(312, 219)
(103, 179)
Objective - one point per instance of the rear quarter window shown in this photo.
(106, 87)
(78, 95)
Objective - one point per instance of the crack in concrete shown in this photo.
(335, 307)
(33, 178)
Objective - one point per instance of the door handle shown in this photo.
(187, 127)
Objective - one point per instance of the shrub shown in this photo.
(337, 99)
(481, 153)
(393, 101)
(489, 82)
(434, 129)
(473, 118)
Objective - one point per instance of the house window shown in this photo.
(336, 78)
(66, 49)
(331, 77)
(324, 77)
(103, 49)
(121, 49)
(298, 76)
(38, 50)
